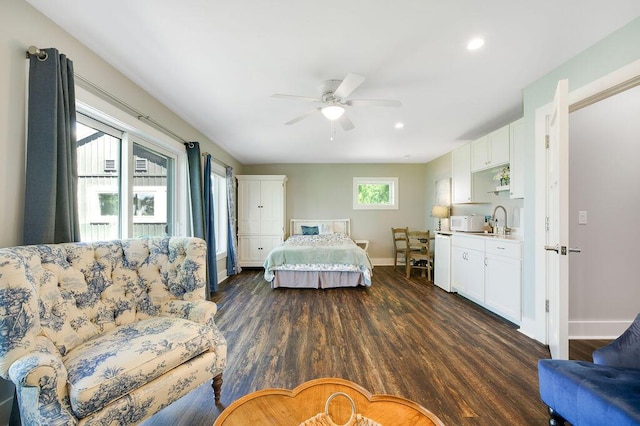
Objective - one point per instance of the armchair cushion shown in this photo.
(111, 365)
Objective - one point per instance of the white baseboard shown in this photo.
(528, 328)
(584, 330)
(222, 276)
(384, 261)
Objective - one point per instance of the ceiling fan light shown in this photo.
(332, 112)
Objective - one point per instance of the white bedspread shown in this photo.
(327, 252)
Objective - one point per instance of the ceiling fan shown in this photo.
(333, 100)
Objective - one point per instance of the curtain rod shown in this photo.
(42, 55)
(204, 154)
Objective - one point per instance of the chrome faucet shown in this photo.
(507, 230)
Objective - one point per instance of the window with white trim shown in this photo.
(219, 188)
(375, 193)
(126, 184)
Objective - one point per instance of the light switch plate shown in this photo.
(582, 217)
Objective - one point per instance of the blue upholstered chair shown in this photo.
(605, 392)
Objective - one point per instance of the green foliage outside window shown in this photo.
(109, 204)
(374, 193)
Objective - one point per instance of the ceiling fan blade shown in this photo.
(348, 85)
(374, 102)
(297, 98)
(302, 117)
(346, 123)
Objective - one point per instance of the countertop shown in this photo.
(512, 237)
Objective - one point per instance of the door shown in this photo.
(557, 226)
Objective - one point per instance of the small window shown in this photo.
(375, 193)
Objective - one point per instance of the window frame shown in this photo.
(97, 110)
(394, 191)
(221, 215)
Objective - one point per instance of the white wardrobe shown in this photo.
(261, 216)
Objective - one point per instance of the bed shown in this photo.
(318, 254)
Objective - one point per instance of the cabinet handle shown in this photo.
(485, 261)
(500, 248)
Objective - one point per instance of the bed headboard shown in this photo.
(342, 226)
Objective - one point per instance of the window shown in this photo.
(125, 184)
(219, 188)
(375, 193)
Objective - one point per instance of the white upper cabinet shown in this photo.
(461, 175)
(491, 150)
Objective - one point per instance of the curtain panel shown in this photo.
(233, 266)
(51, 183)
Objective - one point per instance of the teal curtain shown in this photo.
(51, 183)
(195, 188)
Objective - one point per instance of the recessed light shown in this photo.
(399, 125)
(475, 43)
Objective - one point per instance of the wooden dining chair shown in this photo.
(419, 255)
(400, 244)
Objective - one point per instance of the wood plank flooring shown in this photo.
(401, 336)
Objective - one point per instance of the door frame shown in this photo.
(609, 85)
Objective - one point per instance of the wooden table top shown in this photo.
(282, 407)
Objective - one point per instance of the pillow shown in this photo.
(309, 230)
(326, 228)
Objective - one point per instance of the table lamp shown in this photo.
(441, 212)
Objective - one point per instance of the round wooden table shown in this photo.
(282, 407)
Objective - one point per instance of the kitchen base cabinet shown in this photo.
(467, 267)
(488, 271)
(502, 286)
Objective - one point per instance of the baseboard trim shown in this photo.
(384, 261)
(585, 330)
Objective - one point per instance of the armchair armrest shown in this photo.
(200, 311)
(41, 379)
(623, 351)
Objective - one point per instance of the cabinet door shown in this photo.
(461, 174)
(516, 158)
(458, 269)
(474, 288)
(499, 147)
(249, 207)
(272, 207)
(480, 154)
(249, 249)
(503, 289)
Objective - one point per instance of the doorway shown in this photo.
(606, 87)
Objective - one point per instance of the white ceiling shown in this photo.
(216, 64)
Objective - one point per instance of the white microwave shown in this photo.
(467, 223)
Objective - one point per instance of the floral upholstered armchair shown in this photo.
(106, 333)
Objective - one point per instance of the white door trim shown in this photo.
(601, 88)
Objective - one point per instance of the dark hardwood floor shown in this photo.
(401, 336)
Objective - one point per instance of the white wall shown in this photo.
(604, 174)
